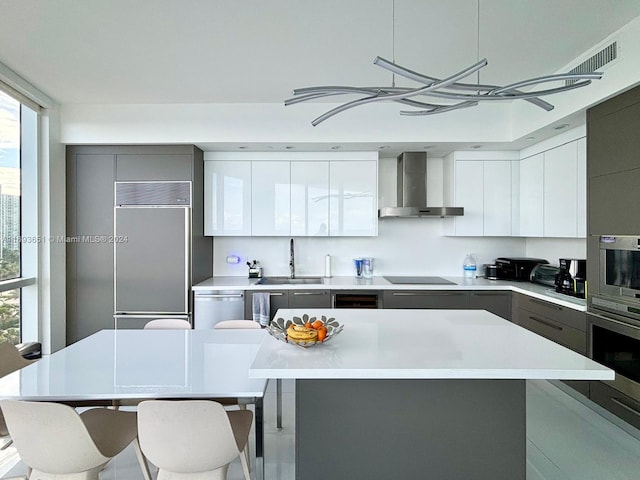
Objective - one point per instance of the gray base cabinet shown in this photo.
(616, 402)
(309, 299)
(498, 303)
(312, 298)
(277, 299)
(562, 325)
(426, 299)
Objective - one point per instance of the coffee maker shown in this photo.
(571, 280)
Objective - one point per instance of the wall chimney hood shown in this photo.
(412, 191)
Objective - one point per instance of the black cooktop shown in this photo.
(419, 280)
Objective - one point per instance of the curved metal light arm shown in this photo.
(393, 96)
(418, 77)
(506, 95)
(439, 109)
(546, 79)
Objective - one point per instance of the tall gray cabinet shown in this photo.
(613, 172)
(91, 173)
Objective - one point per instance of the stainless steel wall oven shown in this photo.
(615, 342)
(614, 325)
(619, 276)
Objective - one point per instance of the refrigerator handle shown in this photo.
(187, 260)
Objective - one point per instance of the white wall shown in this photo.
(411, 246)
(552, 249)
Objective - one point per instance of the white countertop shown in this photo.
(120, 364)
(379, 283)
(424, 344)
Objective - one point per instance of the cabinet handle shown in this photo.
(425, 294)
(276, 294)
(544, 322)
(199, 296)
(629, 408)
(545, 304)
(488, 294)
(309, 293)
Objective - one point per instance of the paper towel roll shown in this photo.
(327, 266)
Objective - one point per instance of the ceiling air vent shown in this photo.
(605, 56)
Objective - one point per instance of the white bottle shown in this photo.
(469, 266)
(327, 266)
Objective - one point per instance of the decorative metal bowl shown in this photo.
(278, 329)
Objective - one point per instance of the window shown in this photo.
(11, 217)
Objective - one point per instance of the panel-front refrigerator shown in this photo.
(152, 252)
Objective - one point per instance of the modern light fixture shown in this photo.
(449, 88)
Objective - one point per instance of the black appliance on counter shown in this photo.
(571, 279)
(544, 274)
(516, 268)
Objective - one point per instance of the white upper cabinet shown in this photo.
(310, 198)
(482, 186)
(581, 191)
(281, 194)
(497, 198)
(469, 190)
(531, 184)
(560, 191)
(553, 182)
(353, 205)
(227, 198)
(271, 198)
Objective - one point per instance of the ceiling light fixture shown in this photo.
(449, 88)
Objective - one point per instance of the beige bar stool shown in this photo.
(193, 439)
(255, 325)
(57, 443)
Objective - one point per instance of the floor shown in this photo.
(566, 440)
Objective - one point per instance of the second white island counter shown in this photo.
(416, 393)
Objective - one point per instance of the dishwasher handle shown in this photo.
(218, 296)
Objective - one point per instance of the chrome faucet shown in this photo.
(292, 262)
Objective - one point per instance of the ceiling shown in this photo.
(213, 51)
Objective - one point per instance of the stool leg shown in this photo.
(278, 403)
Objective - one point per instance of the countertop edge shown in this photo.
(379, 283)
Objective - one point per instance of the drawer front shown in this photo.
(494, 302)
(617, 403)
(425, 299)
(309, 299)
(567, 316)
(277, 299)
(569, 337)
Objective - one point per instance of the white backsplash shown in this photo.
(553, 249)
(409, 246)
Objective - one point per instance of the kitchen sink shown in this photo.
(290, 281)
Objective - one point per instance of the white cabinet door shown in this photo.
(227, 198)
(581, 195)
(310, 198)
(560, 191)
(469, 194)
(497, 198)
(531, 183)
(353, 205)
(270, 199)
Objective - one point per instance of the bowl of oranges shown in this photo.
(304, 331)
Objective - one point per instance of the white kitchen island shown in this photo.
(416, 393)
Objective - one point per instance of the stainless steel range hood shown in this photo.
(412, 191)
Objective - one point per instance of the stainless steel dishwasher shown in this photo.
(213, 306)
